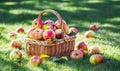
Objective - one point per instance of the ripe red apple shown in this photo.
(58, 33)
(36, 60)
(77, 54)
(12, 35)
(74, 30)
(29, 33)
(94, 27)
(49, 35)
(49, 22)
(20, 30)
(81, 45)
(37, 23)
(15, 54)
(37, 33)
(65, 26)
(15, 44)
(93, 50)
(89, 34)
(96, 59)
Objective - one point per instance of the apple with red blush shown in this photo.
(12, 35)
(29, 33)
(73, 30)
(90, 34)
(16, 44)
(20, 30)
(93, 50)
(58, 33)
(15, 54)
(81, 45)
(94, 27)
(37, 23)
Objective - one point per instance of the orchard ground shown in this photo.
(79, 14)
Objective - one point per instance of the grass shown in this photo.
(78, 14)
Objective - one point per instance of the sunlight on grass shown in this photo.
(116, 19)
(9, 3)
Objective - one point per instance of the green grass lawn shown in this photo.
(79, 14)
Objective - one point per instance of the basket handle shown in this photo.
(56, 14)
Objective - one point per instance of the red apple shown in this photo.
(37, 34)
(81, 45)
(74, 30)
(89, 34)
(12, 35)
(94, 27)
(49, 22)
(20, 30)
(65, 26)
(15, 44)
(58, 33)
(49, 35)
(77, 54)
(29, 33)
(93, 50)
(96, 59)
(15, 54)
(36, 60)
(37, 23)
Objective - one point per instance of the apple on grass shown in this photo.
(49, 35)
(77, 54)
(35, 61)
(15, 54)
(37, 23)
(96, 59)
(93, 50)
(12, 35)
(20, 30)
(90, 34)
(15, 44)
(94, 27)
(81, 45)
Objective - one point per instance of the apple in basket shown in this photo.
(15, 44)
(73, 30)
(77, 54)
(20, 30)
(50, 24)
(37, 23)
(81, 45)
(35, 61)
(49, 35)
(93, 50)
(29, 33)
(37, 33)
(12, 35)
(94, 27)
(89, 34)
(65, 26)
(96, 59)
(15, 54)
(58, 33)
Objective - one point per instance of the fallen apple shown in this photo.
(20, 30)
(15, 54)
(81, 45)
(15, 44)
(35, 61)
(37, 23)
(96, 59)
(93, 50)
(94, 27)
(89, 34)
(73, 30)
(12, 35)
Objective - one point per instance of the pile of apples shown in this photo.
(48, 30)
(81, 48)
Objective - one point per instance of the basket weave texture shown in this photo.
(61, 47)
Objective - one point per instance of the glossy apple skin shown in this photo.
(93, 50)
(96, 59)
(73, 29)
(94, 27)
(15, 44)
(90, 34)
(65, 26)
(29, 33)
(81, 45)
(20, 30)
(77, 54)
(49, 35)
(12, 35)
(15, 54)
(37, 34)
(58, 33)
(37, 23)
(36, 60)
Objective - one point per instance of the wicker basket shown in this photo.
(61, 47)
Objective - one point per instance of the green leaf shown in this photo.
(45, 27)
